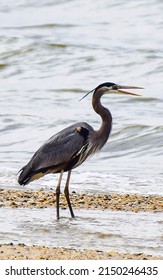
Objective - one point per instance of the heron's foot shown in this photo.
(72, 215)
(58, 216)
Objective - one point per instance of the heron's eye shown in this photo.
(114, 87)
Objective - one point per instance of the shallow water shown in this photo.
(101, 230)
(50, 56)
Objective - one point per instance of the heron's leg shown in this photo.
(58, 193)
(66, 191)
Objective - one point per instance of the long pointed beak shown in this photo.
(121, 91)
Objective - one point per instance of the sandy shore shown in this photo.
(22, 252)
(42, 199)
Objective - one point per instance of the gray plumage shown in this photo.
(59, 153)
(70, 147)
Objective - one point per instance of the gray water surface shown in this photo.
(51, 54)
(100, 230)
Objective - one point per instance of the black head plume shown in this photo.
(107, 84)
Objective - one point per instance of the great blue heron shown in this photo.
(70, 147)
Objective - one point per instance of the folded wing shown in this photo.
(60, 153)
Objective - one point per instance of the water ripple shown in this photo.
(51, 55)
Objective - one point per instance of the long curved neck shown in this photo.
(104, 131)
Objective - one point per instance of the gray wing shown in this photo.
(58, 153)
(61, 147)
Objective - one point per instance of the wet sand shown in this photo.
(41, 199)
(23, 252)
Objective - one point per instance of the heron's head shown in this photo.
(115, 88)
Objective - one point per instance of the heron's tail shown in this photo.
(24, 176)
(27, 174)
